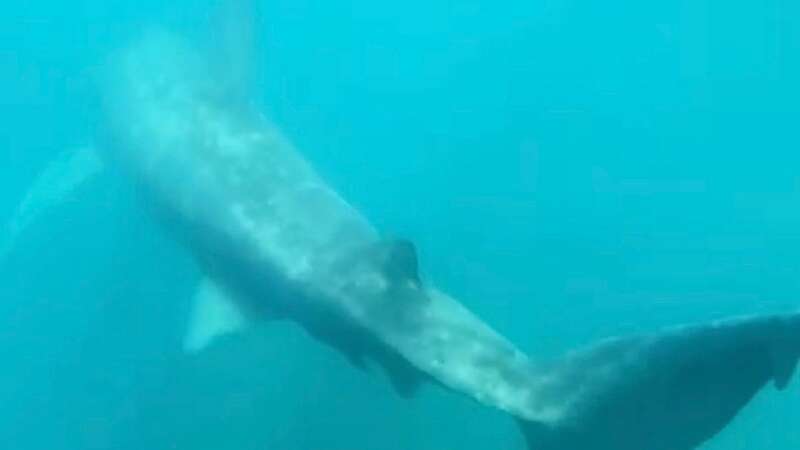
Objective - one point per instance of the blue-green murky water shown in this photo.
(570, 170)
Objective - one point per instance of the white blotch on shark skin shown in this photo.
(300, 268)
(239, 213)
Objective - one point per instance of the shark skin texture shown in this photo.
(277, 242)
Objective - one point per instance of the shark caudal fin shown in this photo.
(55, 185)
(673, 389)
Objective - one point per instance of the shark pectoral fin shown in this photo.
(214, 313)
(54, 186)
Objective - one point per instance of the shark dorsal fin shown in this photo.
(399, 260)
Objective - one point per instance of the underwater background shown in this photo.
(568, 170)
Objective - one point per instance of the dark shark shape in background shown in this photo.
(276, 241)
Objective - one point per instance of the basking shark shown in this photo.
(275, 241)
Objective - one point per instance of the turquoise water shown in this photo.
(569, 171)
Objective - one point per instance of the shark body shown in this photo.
(279, 242)
(276, 241)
